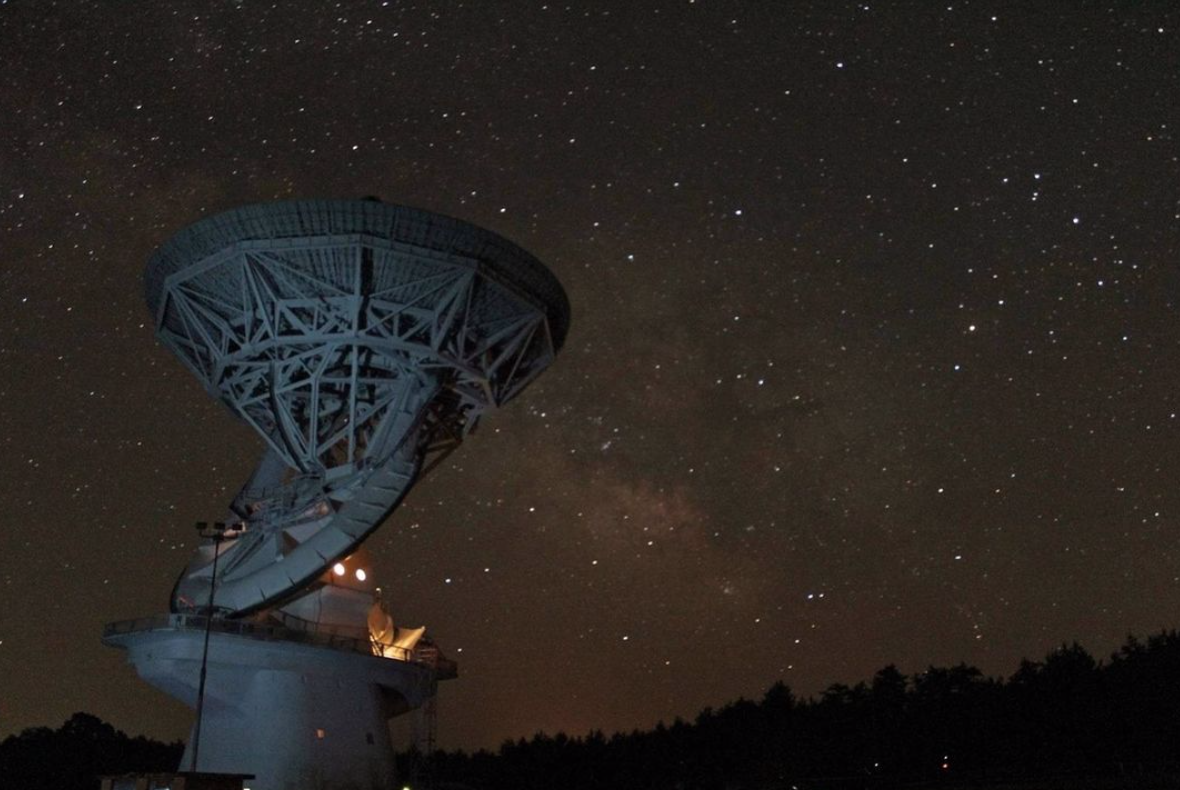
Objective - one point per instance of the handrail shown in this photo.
(261, 631)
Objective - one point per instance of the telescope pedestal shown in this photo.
(296, 716)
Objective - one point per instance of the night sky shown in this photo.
(875, 350)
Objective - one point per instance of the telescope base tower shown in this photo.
(296, 716)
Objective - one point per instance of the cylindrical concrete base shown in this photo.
(296, 716)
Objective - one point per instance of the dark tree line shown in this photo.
(1069, 718)
(73, 756)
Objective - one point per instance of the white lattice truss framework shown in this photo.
(359, 360)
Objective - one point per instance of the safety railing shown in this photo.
(337, 638)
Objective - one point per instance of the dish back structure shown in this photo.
(362, 341)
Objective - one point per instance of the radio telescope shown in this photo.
(362, 341)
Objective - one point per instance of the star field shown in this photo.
(873, 355)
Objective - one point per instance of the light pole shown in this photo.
(217, 533)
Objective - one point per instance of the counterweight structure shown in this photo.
(362, 341)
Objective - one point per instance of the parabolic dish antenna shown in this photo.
(362, 341)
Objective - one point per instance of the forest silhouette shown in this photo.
(1065, 721)
(73, 756)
